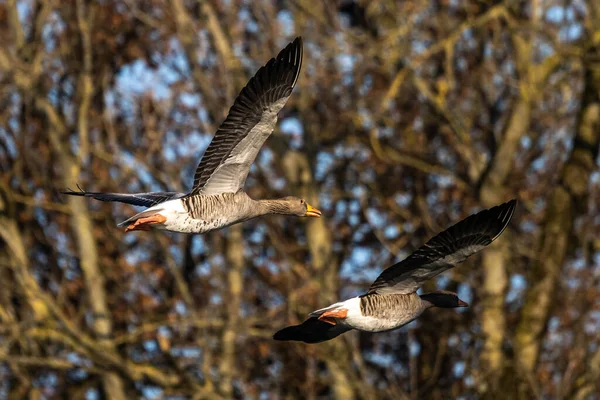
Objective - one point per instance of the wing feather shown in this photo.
(227, 160)
(136, 199)
(445, 250)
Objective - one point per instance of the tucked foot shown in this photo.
(330, 316)
(143, 224)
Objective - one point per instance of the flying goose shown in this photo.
(217, 198)
(392, 300)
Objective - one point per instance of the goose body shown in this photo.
(217, 198)
(377, 313)
(392, 300)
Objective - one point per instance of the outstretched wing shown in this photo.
(136, 199)
(445, 250)
(227, 160)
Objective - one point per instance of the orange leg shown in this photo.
(330, 316)
(143, 224)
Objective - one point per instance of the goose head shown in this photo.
(299, 207)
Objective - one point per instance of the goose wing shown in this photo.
(445, 250)
(136, 199)
(227, 160)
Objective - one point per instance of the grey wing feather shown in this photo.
(445, 250)
(136, 199)
(227, 160)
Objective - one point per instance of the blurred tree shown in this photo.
(407, 117)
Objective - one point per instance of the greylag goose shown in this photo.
(217, 198)
(392, 300)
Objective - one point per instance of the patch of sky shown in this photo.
(403, 199)
(203, 269)
(458, 369)
(508, 68)
(408, 227)
(24, 11)
(488, 50)
(293, 127)
(573, 282)
(591, 326)
(92, 394)
(152, 392)
(360, 231)
(391, 232)
(469, 381)
(177, 57)
(138, 78)
(46, 379)
(418, 124)
(359, 191)
(368, 175)
(539, 164)
(528, 226)
(442, 281)
(216, 299)
(52, 29)
(150, 345)
(556, 14)
(245, 18)
(544, 50)
(385, 132)
(432, 199)
(365, 117)
(134, 256)
(526, 142)
(325, 201)
(443, 181)
(353, 220)
(517, 287)
(420, 46)
(453, 340)
(366, 86)
(257, 235)
(570, 32)
(191, 100)
(497, 80)
(345, 63)
(464, 293)
(180, 308)
(383, 359)
(286, 23)
(376, 218)
(325, 162)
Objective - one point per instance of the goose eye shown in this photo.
(301, 201)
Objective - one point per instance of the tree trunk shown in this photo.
(326, 269)
(567, 200)
(234, 254)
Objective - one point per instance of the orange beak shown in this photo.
(311, 211)
(462, 303)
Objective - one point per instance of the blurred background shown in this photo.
(407, 117)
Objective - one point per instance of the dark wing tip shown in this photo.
(292, 55)
(503, 214)
(71, 192)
